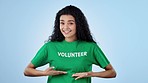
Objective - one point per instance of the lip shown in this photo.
(66, 31)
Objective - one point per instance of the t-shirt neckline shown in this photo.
(70, 42)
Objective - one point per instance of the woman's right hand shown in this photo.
(50, 71)
(30, 70)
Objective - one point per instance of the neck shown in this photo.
(70, 39)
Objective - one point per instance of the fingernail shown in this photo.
(53, 67)
(65, 72)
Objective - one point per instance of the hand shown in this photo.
(81, 75)
(51, 71)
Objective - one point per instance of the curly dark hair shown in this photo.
(82, 27)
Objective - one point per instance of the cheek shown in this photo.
(61, 31)
(60, 28)
(74, 28)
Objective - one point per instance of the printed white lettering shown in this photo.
(72, 54)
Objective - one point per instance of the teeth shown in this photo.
(67, 31)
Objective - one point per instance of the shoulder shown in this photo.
(51, 43)
(89, 44)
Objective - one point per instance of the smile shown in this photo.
(67, 31)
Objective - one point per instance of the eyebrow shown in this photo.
(69, 20)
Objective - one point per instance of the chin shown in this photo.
(67, 36)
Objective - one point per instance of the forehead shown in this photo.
(67, 18)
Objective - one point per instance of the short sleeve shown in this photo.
(99, 57)
(41, 57)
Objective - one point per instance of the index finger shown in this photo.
(62, 72)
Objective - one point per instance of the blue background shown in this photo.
(119, 26)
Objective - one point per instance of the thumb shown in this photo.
(50, 68)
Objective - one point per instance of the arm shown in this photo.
(30, 70)
(108, 73)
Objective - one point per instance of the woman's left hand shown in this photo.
(81, 75)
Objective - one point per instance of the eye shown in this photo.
(62, 23)
(71, 23)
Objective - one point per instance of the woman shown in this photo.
(70, 52)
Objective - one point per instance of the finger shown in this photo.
(78, 77)
(61, 72)
(51, 68)
(76, 74)
(48, 69)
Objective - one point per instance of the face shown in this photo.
(68, 27)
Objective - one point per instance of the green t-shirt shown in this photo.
(72, 57)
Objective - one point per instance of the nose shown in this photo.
(66, 26)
